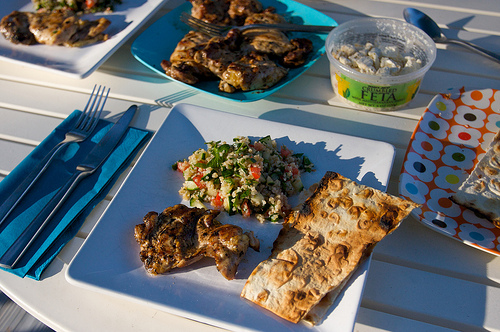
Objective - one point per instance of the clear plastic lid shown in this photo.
(407, 38)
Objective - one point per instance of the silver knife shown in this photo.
(90, 164)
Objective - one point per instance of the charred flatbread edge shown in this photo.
(320, 246)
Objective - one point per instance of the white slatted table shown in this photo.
(419, 280)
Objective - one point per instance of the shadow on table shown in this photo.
(458, 26)
(337, 125)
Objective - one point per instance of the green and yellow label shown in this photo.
(376, 96)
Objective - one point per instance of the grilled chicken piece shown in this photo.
(189, 72)
(265, 17)
(62, 27)
(239, 10)
(59, 27)
(225, 12)
(298, 56)
(53, 28)
(89, 32)
(16, 28)
(252, 72)
(192, 42)
(236, 66)
(182, 66)
(220, 52)
(180, 236)
(211, 11)
(269, 42)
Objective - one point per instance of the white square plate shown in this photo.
(78, 62)
(108, 261)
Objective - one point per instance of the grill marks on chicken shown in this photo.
(219, 52)
(272, 42)
(251, 72)
(182, 65)
(253, 60)
(180, 236)
(239, 10)
(16, 28)
(211, 11)
(298, 56)
(224, 12)
(59, 27)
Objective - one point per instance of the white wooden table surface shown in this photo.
(419, 280)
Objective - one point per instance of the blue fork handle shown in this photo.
(22, 189)
(288, 27)
(17, 250)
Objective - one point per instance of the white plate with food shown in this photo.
(109, 262)
(78, 62)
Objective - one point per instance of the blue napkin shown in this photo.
(91, 190)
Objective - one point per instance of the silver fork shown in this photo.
(214, 30)
(84, 126)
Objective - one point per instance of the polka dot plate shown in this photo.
(450, 138)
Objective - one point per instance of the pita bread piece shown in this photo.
(480, 192)
(320, 246)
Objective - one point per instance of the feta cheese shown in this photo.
(375, 54)
(345, 61)
(377, 59)
(347, 50)
(364, 63)
(391, 51)
(411, 64)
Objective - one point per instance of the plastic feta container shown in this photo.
(363, 85)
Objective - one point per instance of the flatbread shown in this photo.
(320, 246)
(480, 192)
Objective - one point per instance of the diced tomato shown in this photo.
(197, 180)
(90, 3)
(218, 202)
(295, 170)
(255, 171)
(245, 209)
(285, 152)
(259, 146)
(182, 166)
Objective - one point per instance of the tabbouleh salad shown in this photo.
(244, 177)
(87, 6)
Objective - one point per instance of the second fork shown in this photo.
(215, 30)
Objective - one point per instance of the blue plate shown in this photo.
(160, 39)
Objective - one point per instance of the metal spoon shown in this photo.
(424, 22)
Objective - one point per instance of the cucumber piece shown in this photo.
(257, 199)
(297, 185)
(194, 202)
(190, 185)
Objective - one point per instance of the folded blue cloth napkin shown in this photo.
(91, 190)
